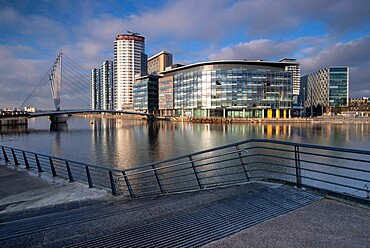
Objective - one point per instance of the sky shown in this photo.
(318, 33)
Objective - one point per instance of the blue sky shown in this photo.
(319, 33)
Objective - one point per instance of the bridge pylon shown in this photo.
(55, 79)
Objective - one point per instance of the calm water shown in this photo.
(125, 143)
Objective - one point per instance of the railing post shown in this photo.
(26, 160)
(70, 176)
(89, 181)
(5, 156)
(195, 171)
(156, 177)
(52, 167)
(297, 167)
(242, 162)
(38, 163)
(112, 184)
(15, 158)
(132, 195)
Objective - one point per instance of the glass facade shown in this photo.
(327, 87)
(338, 86)
(233, 90)
(145, 92)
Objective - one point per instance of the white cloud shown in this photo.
(18, 75)
(313, 55)
(256, 49)
(193, 30)
(355, 54)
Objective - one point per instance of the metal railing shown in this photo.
(340, 170)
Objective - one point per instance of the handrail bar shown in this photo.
(357, 151)
(239, 161)
(350, 150)
(62, 159)
(177, 164)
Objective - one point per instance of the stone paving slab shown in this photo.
(327, 223)
(26, 190)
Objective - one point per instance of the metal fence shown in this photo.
(340, 170)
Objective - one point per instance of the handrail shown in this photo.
(334, 169)
(69, 160)
(252, 141)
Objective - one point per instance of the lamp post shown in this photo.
(311, 102)
(304, 101)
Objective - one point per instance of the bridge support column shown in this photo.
(59, 118)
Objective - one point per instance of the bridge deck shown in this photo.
(87, 111)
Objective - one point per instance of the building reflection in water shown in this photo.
(123, 143)
(13, 129)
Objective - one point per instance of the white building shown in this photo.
(296, 71)
(95, 89)
(129, 60)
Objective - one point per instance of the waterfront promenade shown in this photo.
(51, 212)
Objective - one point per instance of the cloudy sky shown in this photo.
(319, 33)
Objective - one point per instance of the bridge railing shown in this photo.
(340, 170)
(92, 175)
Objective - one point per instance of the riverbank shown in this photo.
(319, 119)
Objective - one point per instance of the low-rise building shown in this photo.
(360, 106)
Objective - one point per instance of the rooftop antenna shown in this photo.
(133, 33)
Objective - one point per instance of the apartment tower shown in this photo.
(129, 58)
(106, 88)
(95, 89)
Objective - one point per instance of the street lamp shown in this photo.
(311, 102)
(304, 101)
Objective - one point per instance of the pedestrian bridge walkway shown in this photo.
(210, 221)
(255, 214)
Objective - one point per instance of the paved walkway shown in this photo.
(44, 212)
(28, 190)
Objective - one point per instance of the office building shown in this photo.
(159, 62)
(229, 89)
(129, 56)
(95, 89)
(165, 96)
(296, 71)
(106, 85)
(146, 94)
(328, 87)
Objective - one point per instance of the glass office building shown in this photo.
(328, 87)
(338, 86)
(145, 93)
(231, 89)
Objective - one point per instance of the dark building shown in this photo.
(145, 93)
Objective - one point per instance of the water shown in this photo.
(123, 143)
